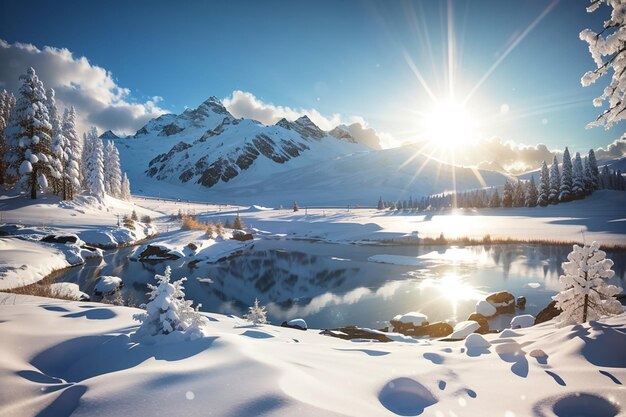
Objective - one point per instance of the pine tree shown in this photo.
(380, 206)
(595, 172)
(112, 170)
(74, 152)
(555, 182)
(566, 177)
(168, 311)
(94, 163)
(58, 144)
(532, 194)
(295, 206)
(7, 101)
(237, 223)
(30, 158)
(507, 195)
(125, 191)
(578, 183)
(519, 196)
(256, 313)
(587, 177)
(495, 202)
(586, 295)
(544, 186)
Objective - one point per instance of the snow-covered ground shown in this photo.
(59, 358)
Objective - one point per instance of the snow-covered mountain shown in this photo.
(206, 152)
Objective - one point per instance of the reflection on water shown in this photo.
(333, 285)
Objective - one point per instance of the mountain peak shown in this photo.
(109, 135)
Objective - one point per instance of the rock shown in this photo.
(521, 302)
(523, 321)
(352, 332)
(156, 253)
(538, 353)
(482, 321)
(192, 246)
(242, 236)
(439, 329)
(484, 308)
(413, 318)
(299, 324)
(503, 301)
(476, 341)
(60, 239)
(464, 329)
(107, 285)
(548, 313)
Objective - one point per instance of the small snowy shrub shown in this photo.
(219, 229)
(586, 295)
(256, 313)
(146, 219)
(168, 311)
(209, 231)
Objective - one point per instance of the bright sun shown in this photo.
(449, 124)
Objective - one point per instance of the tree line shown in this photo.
(42, 151)
(577, 178)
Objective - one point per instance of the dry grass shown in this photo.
(190, 223)
(41, 288)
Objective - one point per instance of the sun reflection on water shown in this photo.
(452, 288)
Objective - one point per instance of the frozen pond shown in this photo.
(332, 285)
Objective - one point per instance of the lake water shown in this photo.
(332, 285)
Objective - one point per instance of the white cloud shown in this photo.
(91, 89)
(614, 150)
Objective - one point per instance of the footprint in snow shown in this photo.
(434, 357)
(406, 397)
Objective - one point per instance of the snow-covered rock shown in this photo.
(68, 290)
(523, 321)
(299, 324)
(414, 318)
(107, 284)
(464, 329)
(476, 341)
(484, 308)
(503, 301)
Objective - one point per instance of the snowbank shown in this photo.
(269, 370)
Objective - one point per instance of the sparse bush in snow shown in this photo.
(133, 215)
(237, 223)
(209, 231)
(219, 229)
(168, 311)
(586, 295)
(295, 206)
(146, 219)
(129, 223)
(256, 314)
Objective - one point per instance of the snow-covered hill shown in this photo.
(206, 153)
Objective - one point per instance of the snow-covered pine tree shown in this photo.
(531, 194)
(555, 182)
(125, 190)
(495, 199)
(74, 152)
(519, 196)
(566, 177)
(610, 42)
(544, 186)
(380, 205)
(587, 176)
(7, 101)
(578, 182)
(256, 314)
(94, 162)
(507, 194)
(58, 144)
(29, 156)
(595, 172)
(586, 296)
(168, 311)
(112, 170)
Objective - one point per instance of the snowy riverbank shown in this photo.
(76, 357)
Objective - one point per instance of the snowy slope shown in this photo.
(207, 153)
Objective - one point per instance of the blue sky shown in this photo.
(347, 57)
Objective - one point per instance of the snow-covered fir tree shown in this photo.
(94, 165)
(544, 186)
(125, 188)
(531, 193)
(595, 172)
(507, 194)
(381, 205)
(7, 101)
(608, 50)
(112, 170)
(519, 196)
(586, 295)
(256, 314)
(495, 202)
(555, 182)
(74, 153)
(30, 159)
(578, 182)
(566, 177)
(58, 143)
(587, 176)
(168, 311)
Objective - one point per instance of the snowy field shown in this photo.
(60, 358)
